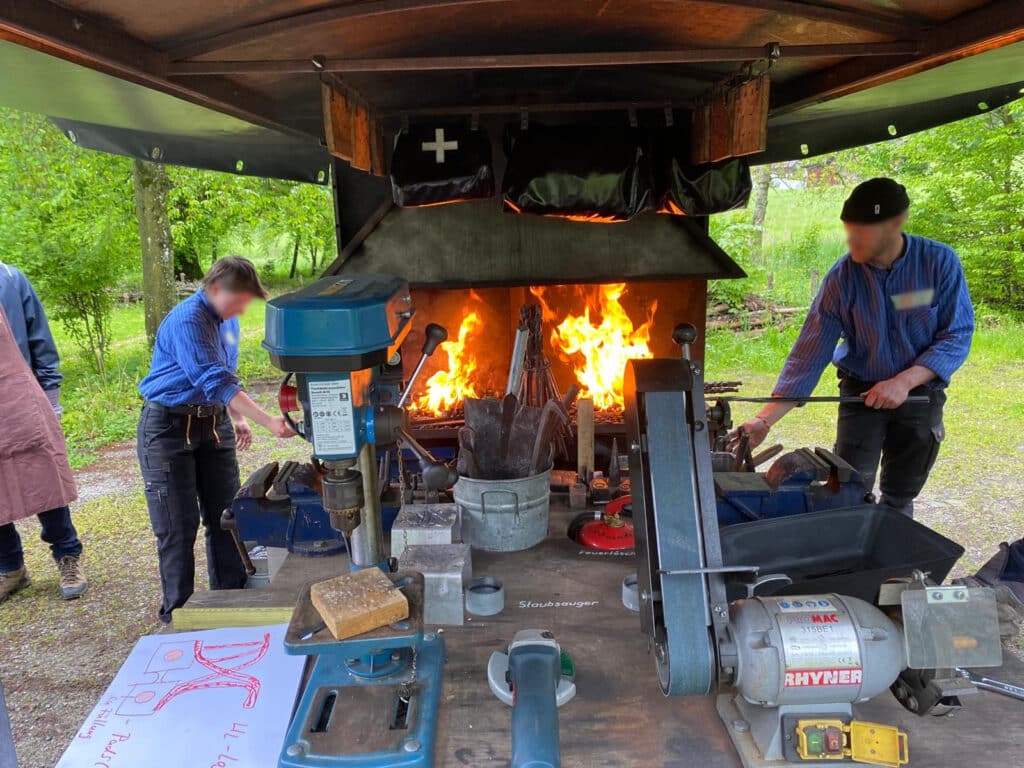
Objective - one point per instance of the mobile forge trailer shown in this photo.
(241, 87)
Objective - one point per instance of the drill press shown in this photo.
(369, 700)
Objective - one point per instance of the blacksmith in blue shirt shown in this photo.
(194, 417)
(895, 318)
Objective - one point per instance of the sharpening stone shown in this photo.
(358, 602)
(425, 524)
(446, 569)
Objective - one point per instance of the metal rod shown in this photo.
(538, 60)
(916, 399)
(515, 372)
(367, 548)
(407, 392)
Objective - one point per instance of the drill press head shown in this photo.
(334, 337)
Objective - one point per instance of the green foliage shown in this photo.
(68, 221)
(966, 185)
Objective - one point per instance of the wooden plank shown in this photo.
(210, 609)
(749, 117)
(337, 121)
(720, 144)
(360, 138)
(700, 151)
(378, 158)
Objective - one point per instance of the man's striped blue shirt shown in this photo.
(194, 358)
(884, 321)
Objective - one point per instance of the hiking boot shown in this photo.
(12, 581)
(72, 578)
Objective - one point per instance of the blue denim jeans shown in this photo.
(58, 531)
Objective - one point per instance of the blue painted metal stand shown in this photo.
(413, 746)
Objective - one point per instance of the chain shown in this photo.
(406, 690)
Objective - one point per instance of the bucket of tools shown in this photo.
(504, 515)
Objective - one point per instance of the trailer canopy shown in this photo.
(236, 84)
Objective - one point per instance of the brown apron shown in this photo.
(34, 472)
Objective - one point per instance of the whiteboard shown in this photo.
(220, 698)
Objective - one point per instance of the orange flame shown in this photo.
(599, 351)
(446, 389)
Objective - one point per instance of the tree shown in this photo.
(305, 213)
(151, 187)
(68, 223)
(966, 185)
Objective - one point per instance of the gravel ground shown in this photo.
(56, 657)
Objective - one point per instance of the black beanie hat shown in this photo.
(875, 200)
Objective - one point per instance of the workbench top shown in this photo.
(619, 716)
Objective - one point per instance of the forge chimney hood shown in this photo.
(476, 244)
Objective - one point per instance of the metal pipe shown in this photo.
(367, 541)
(916, 399)
(407, 392)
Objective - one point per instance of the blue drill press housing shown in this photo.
(334, 335)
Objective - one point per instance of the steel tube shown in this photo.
(916, 399)
(367, 540)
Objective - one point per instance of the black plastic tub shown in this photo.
(849, 551)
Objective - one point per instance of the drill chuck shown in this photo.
(343, 498)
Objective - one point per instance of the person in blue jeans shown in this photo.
(31, 333)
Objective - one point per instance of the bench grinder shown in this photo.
(786, 669)
(339, 340)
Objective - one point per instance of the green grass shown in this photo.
(802, 236)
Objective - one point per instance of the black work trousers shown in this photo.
(190, 475)
(906, 439)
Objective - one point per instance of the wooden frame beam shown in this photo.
(536, 60)
(871, 22)
(889, 25)
(291, 23)
(992, 26)
(81, 39)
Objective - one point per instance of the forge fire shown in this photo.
(588, 333)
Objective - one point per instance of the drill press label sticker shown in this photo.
(330, 405)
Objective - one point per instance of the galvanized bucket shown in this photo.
(504, 515)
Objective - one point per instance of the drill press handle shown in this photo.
(435, 334)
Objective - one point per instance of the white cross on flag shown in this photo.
(439, 146)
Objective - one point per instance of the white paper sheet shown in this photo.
(215, 699)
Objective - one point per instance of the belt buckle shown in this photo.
(205, 411)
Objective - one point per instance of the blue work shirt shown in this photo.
(885, 320)
(29, 326)
(194, 358)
